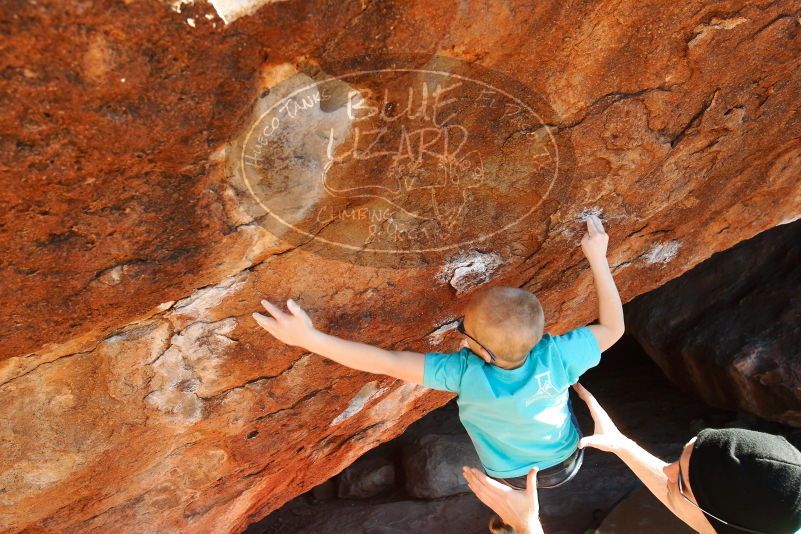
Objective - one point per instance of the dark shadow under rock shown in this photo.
(729, 330)
(370, 475)
(433, 465)
(640, 511)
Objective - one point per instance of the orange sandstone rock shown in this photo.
(137, 394)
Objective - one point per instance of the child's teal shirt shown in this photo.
(518, 418)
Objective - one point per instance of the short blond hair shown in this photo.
(509, 321)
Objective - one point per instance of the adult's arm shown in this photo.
(647, 467)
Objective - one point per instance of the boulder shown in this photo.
(368, 476)
(729, 330)
(150, 201)
(433, 465)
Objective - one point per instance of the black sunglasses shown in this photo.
(681, 492)
(461, 330)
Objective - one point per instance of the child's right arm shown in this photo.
(610, 325)
(296, 329)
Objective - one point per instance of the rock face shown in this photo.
(366, 477)
(730, 329)
(433, 465)
(151, 200)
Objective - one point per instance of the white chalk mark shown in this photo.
(436, 337)
(369, 391)
(469, 270)
(195, 306)
(230, 10)
(663, 252)
(595, 210)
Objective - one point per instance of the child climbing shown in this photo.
(511, 380)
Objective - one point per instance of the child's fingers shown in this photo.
(600, 225)
(272, 309)
(591, 229)
(295, 308)
(265, 322)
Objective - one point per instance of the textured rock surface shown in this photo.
(368, 476)
(730, 329)
(136, 393)
(433, 465)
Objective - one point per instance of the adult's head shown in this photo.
(744, 481)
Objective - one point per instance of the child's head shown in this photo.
(507, 320)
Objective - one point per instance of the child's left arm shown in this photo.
(610, 309)
(296, 329)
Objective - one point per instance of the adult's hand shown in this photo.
(607, 437)
(518, 509)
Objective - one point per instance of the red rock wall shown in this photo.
(137, 394)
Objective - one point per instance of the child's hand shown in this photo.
(595, 240)
(294, 329)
